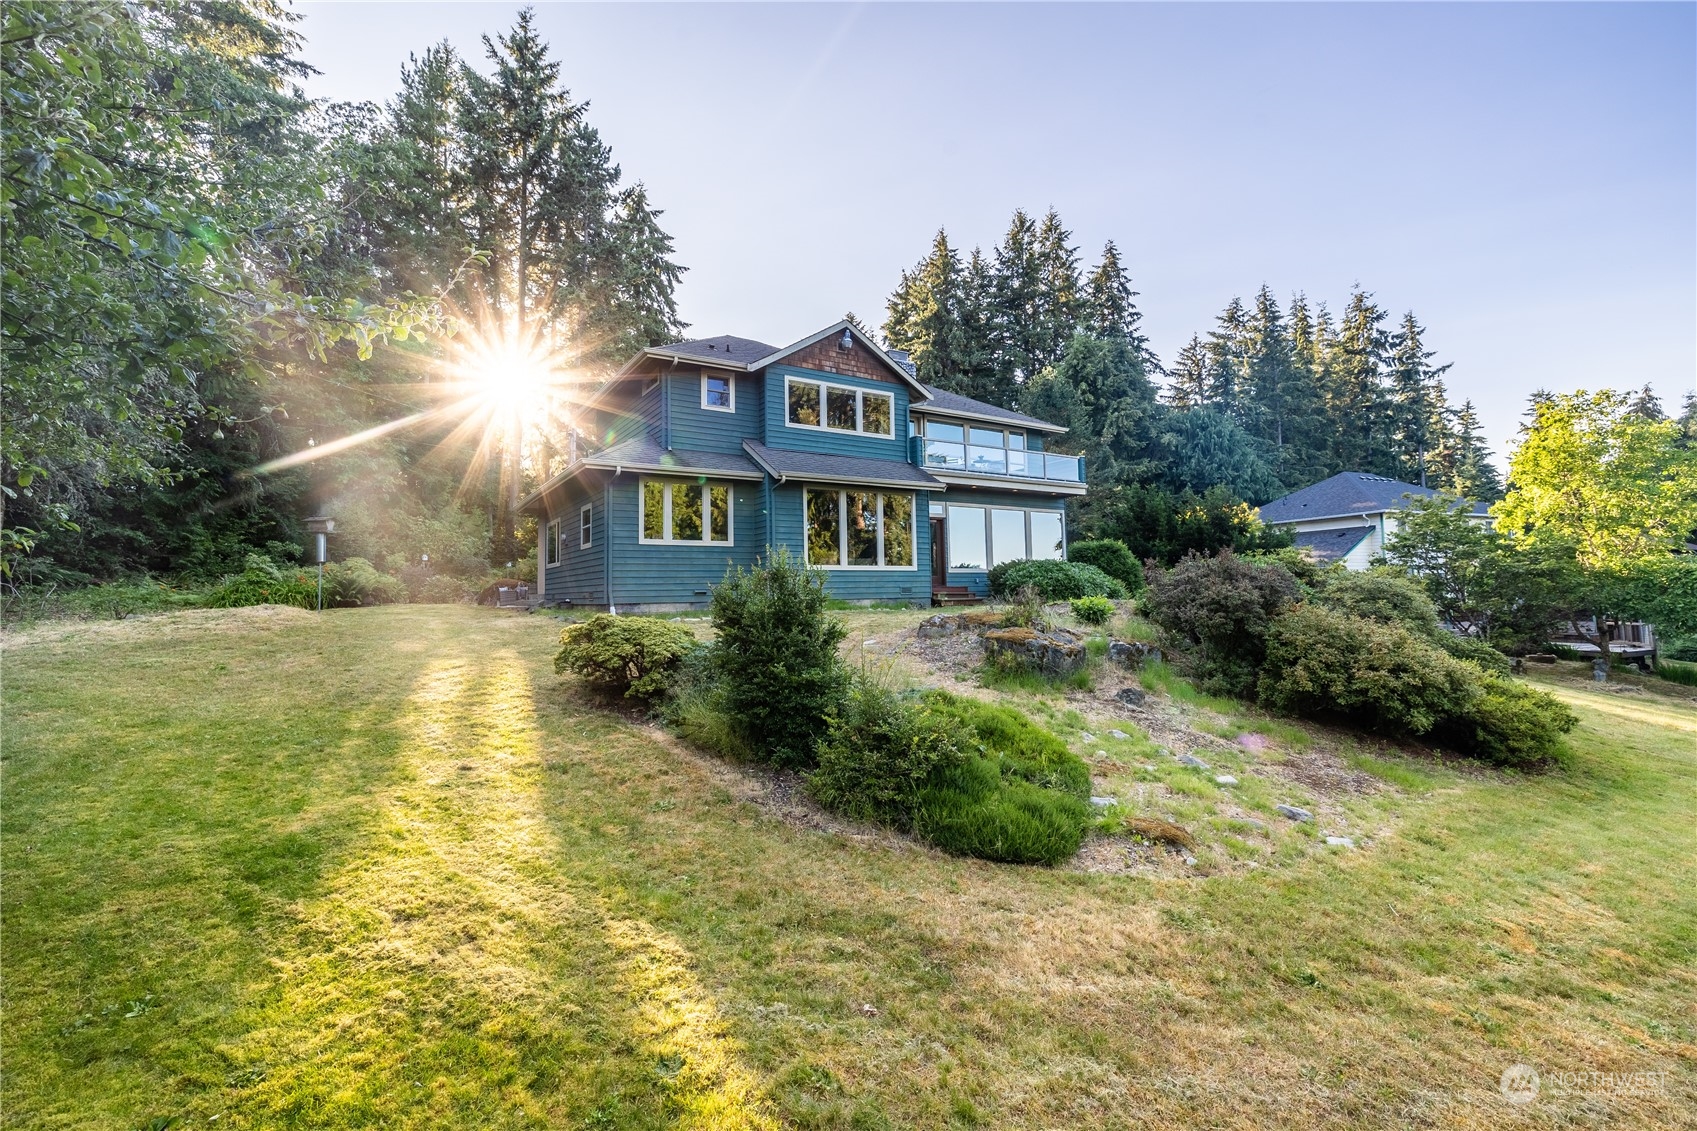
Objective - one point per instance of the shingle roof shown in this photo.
(1346, 493)
(946, 402)
(647, 455)
(1330, 545)
(725, 347)
(784, 463)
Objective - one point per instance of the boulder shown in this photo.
(1131, 696)
(1192, 761)
(1104, 802)
(1541, 658)
(1340, 842)
(950, 624)
(1294, 813)
(1118, 734)
(1054, 653)
(1224, 779)
(1132, 652)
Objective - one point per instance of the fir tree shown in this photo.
(1471, 473)
(1227, 350)
(1188, 380)
(1100, 391)
(1109, 310)
(1356, 404)
(1017, 307)
(1059, 297)
(1417, 417)
(1646, 404)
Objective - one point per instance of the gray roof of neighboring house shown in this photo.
(725, 347)
(785, 463)
(1330, 545)
(953, 404)
(1346, 493)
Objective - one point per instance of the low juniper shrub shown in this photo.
(632, 657)
(880, 753)
(973, 809)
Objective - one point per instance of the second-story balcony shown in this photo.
(973, 459)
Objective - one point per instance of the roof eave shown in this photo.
(1012, 483)
(1030, 422)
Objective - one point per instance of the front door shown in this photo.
(939, 556)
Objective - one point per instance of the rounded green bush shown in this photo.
(1112, 557)
(1092, 610)
(1055, 581)
(629, 656)
(1009, 738)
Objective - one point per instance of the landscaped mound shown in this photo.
(1366, 649)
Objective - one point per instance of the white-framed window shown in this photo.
(670, 511)
(858, 529)
(838, 408)
(719, 392)
(553, 549)
(982, 537)
(585, 526)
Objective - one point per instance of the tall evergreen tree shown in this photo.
(1017, 308)
(1109, 309)
(1279, 402)
(1188, 380)
(1357, 407)
(1227, 352)
(1646, 404)
(1060, 299)
(1417, 414)
(1469, 472)
(1100, 391)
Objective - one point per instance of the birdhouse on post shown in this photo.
(320, 527)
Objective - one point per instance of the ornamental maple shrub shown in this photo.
(1221, 608)
(628, 656)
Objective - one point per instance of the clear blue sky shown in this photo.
(1523, 176)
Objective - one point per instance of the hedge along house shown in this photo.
(698, 456)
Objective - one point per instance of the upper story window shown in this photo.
(839, 408)
(719, 392)
(993, 451)
(684, 512)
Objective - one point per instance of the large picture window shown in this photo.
(839, 408)
(859, 529)
(684, 512)
(982, 537)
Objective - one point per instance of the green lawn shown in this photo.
(381, 868)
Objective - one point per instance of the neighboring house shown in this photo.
(698, 456)
(1348, 517)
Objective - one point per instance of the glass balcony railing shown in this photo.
(944, 455)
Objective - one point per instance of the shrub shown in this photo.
(1223, 607)
(1092, 610)
(1055, 581)
(1025, 610)
(1008, 737)
(1323, 662)
(973, 810)
(1474, 651)
(263, 582)
(776, 653)
(1300, 564)
(1510, 724)
(357, 582)
(1112, 557)
(879, 755)
(628, 656)
(1682, 648)
(1386, 597)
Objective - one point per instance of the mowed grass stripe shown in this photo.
(262, 820)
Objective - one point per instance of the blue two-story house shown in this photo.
(698, 456)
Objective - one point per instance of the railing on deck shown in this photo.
(944, 455)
